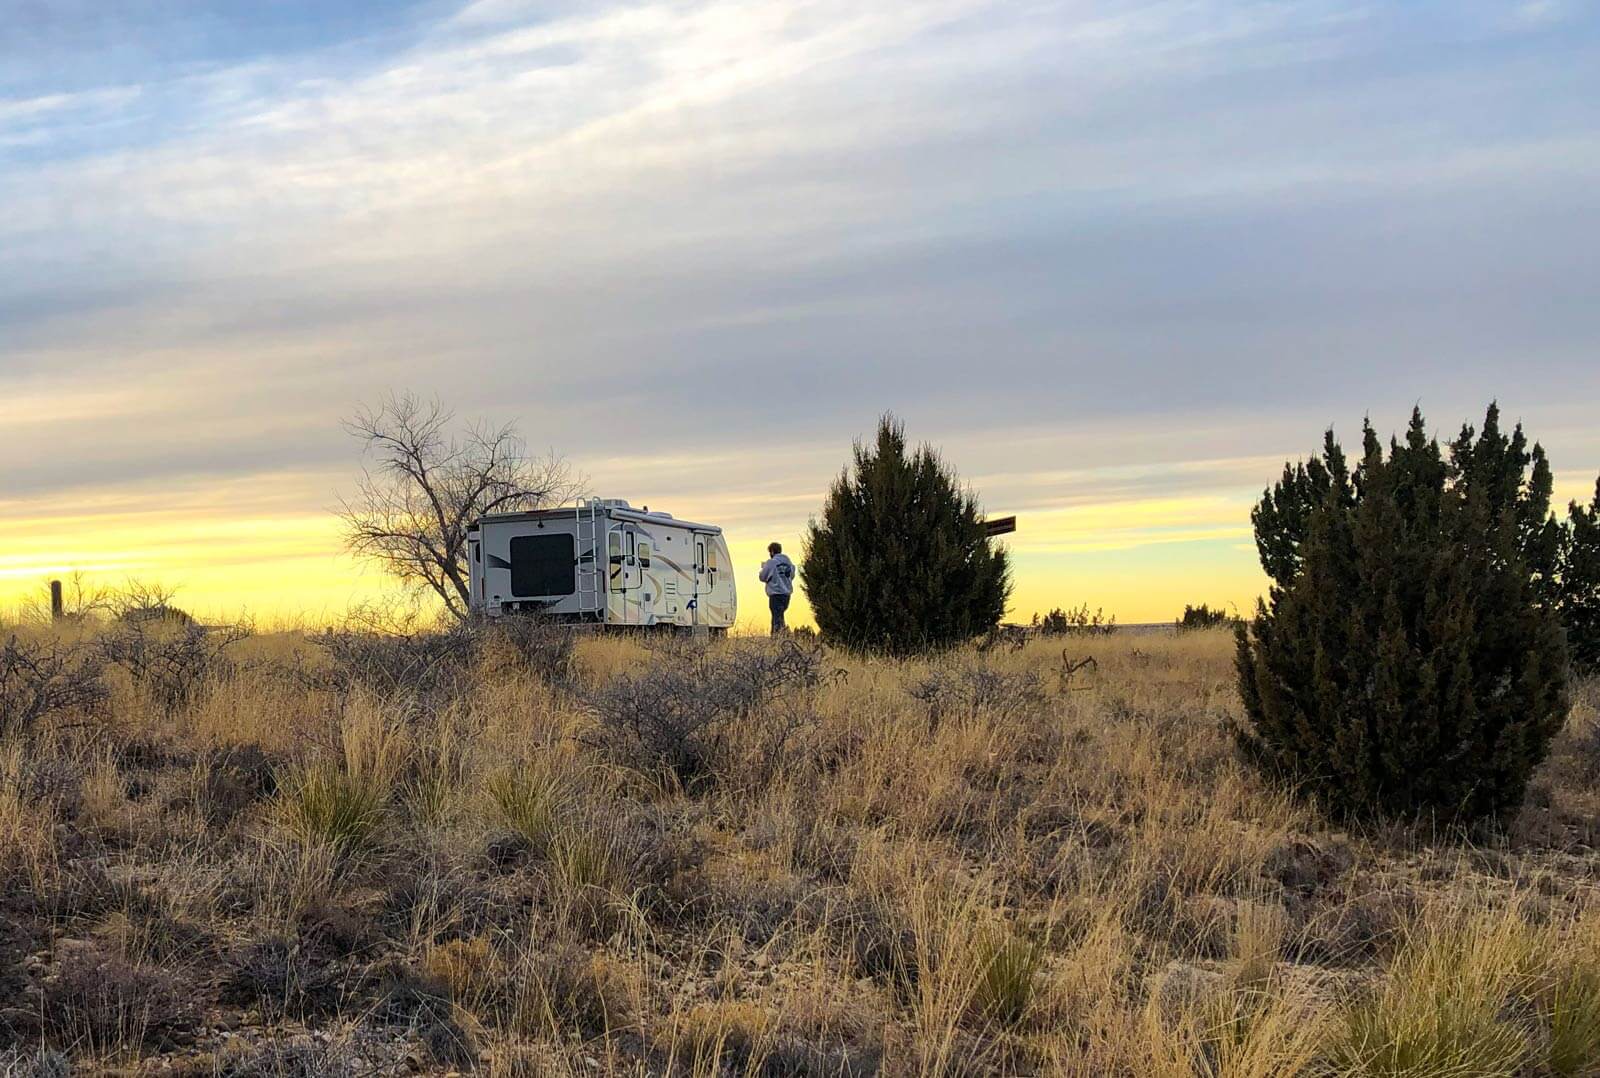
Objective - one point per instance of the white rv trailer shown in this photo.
(604, 563)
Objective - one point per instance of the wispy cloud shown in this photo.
(1107, 254)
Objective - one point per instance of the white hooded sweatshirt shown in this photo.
(777, 572)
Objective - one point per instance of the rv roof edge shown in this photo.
(616, 507)
(662, 518)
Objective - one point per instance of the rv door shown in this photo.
(705, 575)
(635, 574)
(624, 571)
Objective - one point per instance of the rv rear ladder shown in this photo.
(591, 575)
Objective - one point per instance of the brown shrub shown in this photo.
(40, 679)
(684, 718)
(571, 991)
(99, 998)
(287, 978)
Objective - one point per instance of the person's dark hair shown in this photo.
(774, 548)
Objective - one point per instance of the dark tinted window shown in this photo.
(542, 565)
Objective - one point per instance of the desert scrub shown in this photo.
(1100, 888)
(569, 992)
(170, 662)
(715, 1038)
(42, 679)
(101, 1001)
(957, 692)
(684, 720)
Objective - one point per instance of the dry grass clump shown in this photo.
(534, 799)
(29, 810)
(1487, 991)
(529, 855)
(342, 797)
(97, 999)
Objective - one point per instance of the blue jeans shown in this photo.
(778, 603)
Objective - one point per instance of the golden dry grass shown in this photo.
(1070, 874)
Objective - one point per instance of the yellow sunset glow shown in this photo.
(270, 546)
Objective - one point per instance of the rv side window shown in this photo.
(477, 552)
(614, 556)
(700, 555)
(644, 554)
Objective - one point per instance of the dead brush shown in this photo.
(171, 662)
(41, 679)
(102, 1002)
(564, 991)
(966, 692)
(679, 720)
(37, 1062)
(426, 668)
(529, 645)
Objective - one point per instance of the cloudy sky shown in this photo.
(1118, 259)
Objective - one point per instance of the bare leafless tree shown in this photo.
(423, 486)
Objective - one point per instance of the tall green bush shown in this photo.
(1408, 656)
(900, 561)
(1580, 583)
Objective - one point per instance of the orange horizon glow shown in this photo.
(263, 549)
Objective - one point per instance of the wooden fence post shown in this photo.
(56, 610)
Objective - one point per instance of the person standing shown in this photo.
(777, 573)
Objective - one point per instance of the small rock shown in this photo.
(1181, 986)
